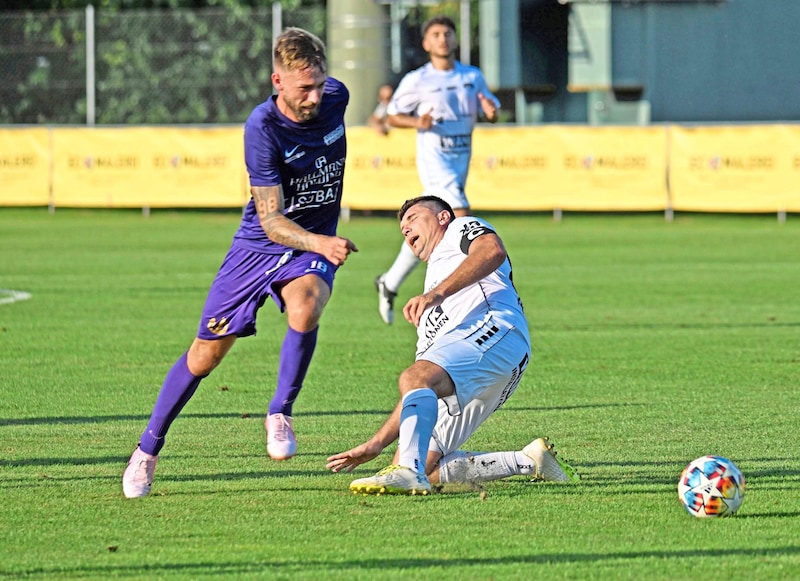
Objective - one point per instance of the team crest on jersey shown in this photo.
(218, 327)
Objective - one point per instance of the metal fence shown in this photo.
(140, 67)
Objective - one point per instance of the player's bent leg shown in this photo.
(304, 298)
(205, 355)
(179, 386)
(385, 300)
(389, 282)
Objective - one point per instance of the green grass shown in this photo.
(654, 343)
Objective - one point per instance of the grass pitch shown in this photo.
(654, 343)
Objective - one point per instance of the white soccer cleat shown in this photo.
(281, 443)
(385, 300)
(138, 476)
(393, 480)
(549, 466)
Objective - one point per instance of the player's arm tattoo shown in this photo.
(277, 227)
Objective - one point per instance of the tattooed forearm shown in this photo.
(280, 229)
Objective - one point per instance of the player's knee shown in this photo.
(424, 374)
(204, 356)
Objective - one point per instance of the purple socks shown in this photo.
(296, 355)
(179, 386)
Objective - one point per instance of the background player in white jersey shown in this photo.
(473, 347)
(442, 100)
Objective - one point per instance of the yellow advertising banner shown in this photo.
(752, 168)
(568, 167)
(521, 168)
(167, 167)
(381, 170)
(25, 167)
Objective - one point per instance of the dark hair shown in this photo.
(443, 20)
(297, 49)
(437, 201)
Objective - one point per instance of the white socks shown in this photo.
(466, 467)
(405, 262)
(417, 420)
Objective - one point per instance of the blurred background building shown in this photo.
(550, 61)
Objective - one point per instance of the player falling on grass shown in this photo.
(442, 100)
(473, 347)
(286, 247)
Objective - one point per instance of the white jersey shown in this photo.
(451, 97)
(491, 303)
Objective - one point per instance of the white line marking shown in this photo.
(8, 296)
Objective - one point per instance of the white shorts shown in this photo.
(485, 374)
(453, 195)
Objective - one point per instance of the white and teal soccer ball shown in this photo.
(711, 486)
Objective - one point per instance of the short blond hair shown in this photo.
(297, 49)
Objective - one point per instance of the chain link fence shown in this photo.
(150, 67)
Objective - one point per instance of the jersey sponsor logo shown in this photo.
(513, 382)
(327, 194)
(455, 143)
(436, 320)
(334, 135)
(319, 188)
(326, 172)
(218, 327)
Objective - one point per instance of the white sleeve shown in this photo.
(483, 89)
(405, 99)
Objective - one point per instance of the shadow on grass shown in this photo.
(677, 325)
(418, 565)
(52, 420)
(145, 418)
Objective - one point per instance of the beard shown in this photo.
(303, 111)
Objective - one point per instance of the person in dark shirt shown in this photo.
(286, 247)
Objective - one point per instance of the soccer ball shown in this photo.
(711, 486)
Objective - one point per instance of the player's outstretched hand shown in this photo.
(336, 249)
(346, 461)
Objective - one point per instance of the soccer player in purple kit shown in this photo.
(286, 247)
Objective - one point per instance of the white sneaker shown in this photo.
(281, 443)
(549, 466)
(393, 480)
(385, 300)
(138, 476)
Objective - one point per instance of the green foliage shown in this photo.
(654, 343)
(151, 67)
(37, 5)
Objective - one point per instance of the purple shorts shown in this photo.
(244, 282)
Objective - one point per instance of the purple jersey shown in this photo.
(307, 159)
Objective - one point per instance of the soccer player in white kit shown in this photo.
(442, 100)
(473, 347)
